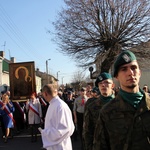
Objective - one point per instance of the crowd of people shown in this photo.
(17, 116)
(102, 117)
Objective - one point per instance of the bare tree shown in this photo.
(91, 29)
(79, 77)
(78, 80)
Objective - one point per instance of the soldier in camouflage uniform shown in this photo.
(124, 123)
(95, 94)
(105, 84)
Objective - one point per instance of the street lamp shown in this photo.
(47, 69)
(57, 77)
(47, 65)
(57, 74)
(62, 80)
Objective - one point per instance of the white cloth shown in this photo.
(33, 118)
(59, 126)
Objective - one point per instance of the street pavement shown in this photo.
(22, 141)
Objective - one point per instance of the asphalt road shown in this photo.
(22, 141)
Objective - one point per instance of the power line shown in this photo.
(13, 30)
(11, 27)
(13, 40)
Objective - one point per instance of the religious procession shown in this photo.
(105, 104)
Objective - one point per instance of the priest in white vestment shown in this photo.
(59, 124)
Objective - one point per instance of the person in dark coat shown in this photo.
(70, 103)
(19, 116)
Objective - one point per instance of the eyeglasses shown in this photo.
(105, 82)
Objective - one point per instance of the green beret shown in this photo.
(124, 58)
(101, 77)
(95, 90)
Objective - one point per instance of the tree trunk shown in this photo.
(110, 58)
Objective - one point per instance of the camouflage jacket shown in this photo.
(123, 127)
(88, 102)
(90, 118)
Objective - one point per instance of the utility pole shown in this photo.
(57, 74)
(62, 80)
(47, 70)
(57, 78)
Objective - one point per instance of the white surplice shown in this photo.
(59, 126)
